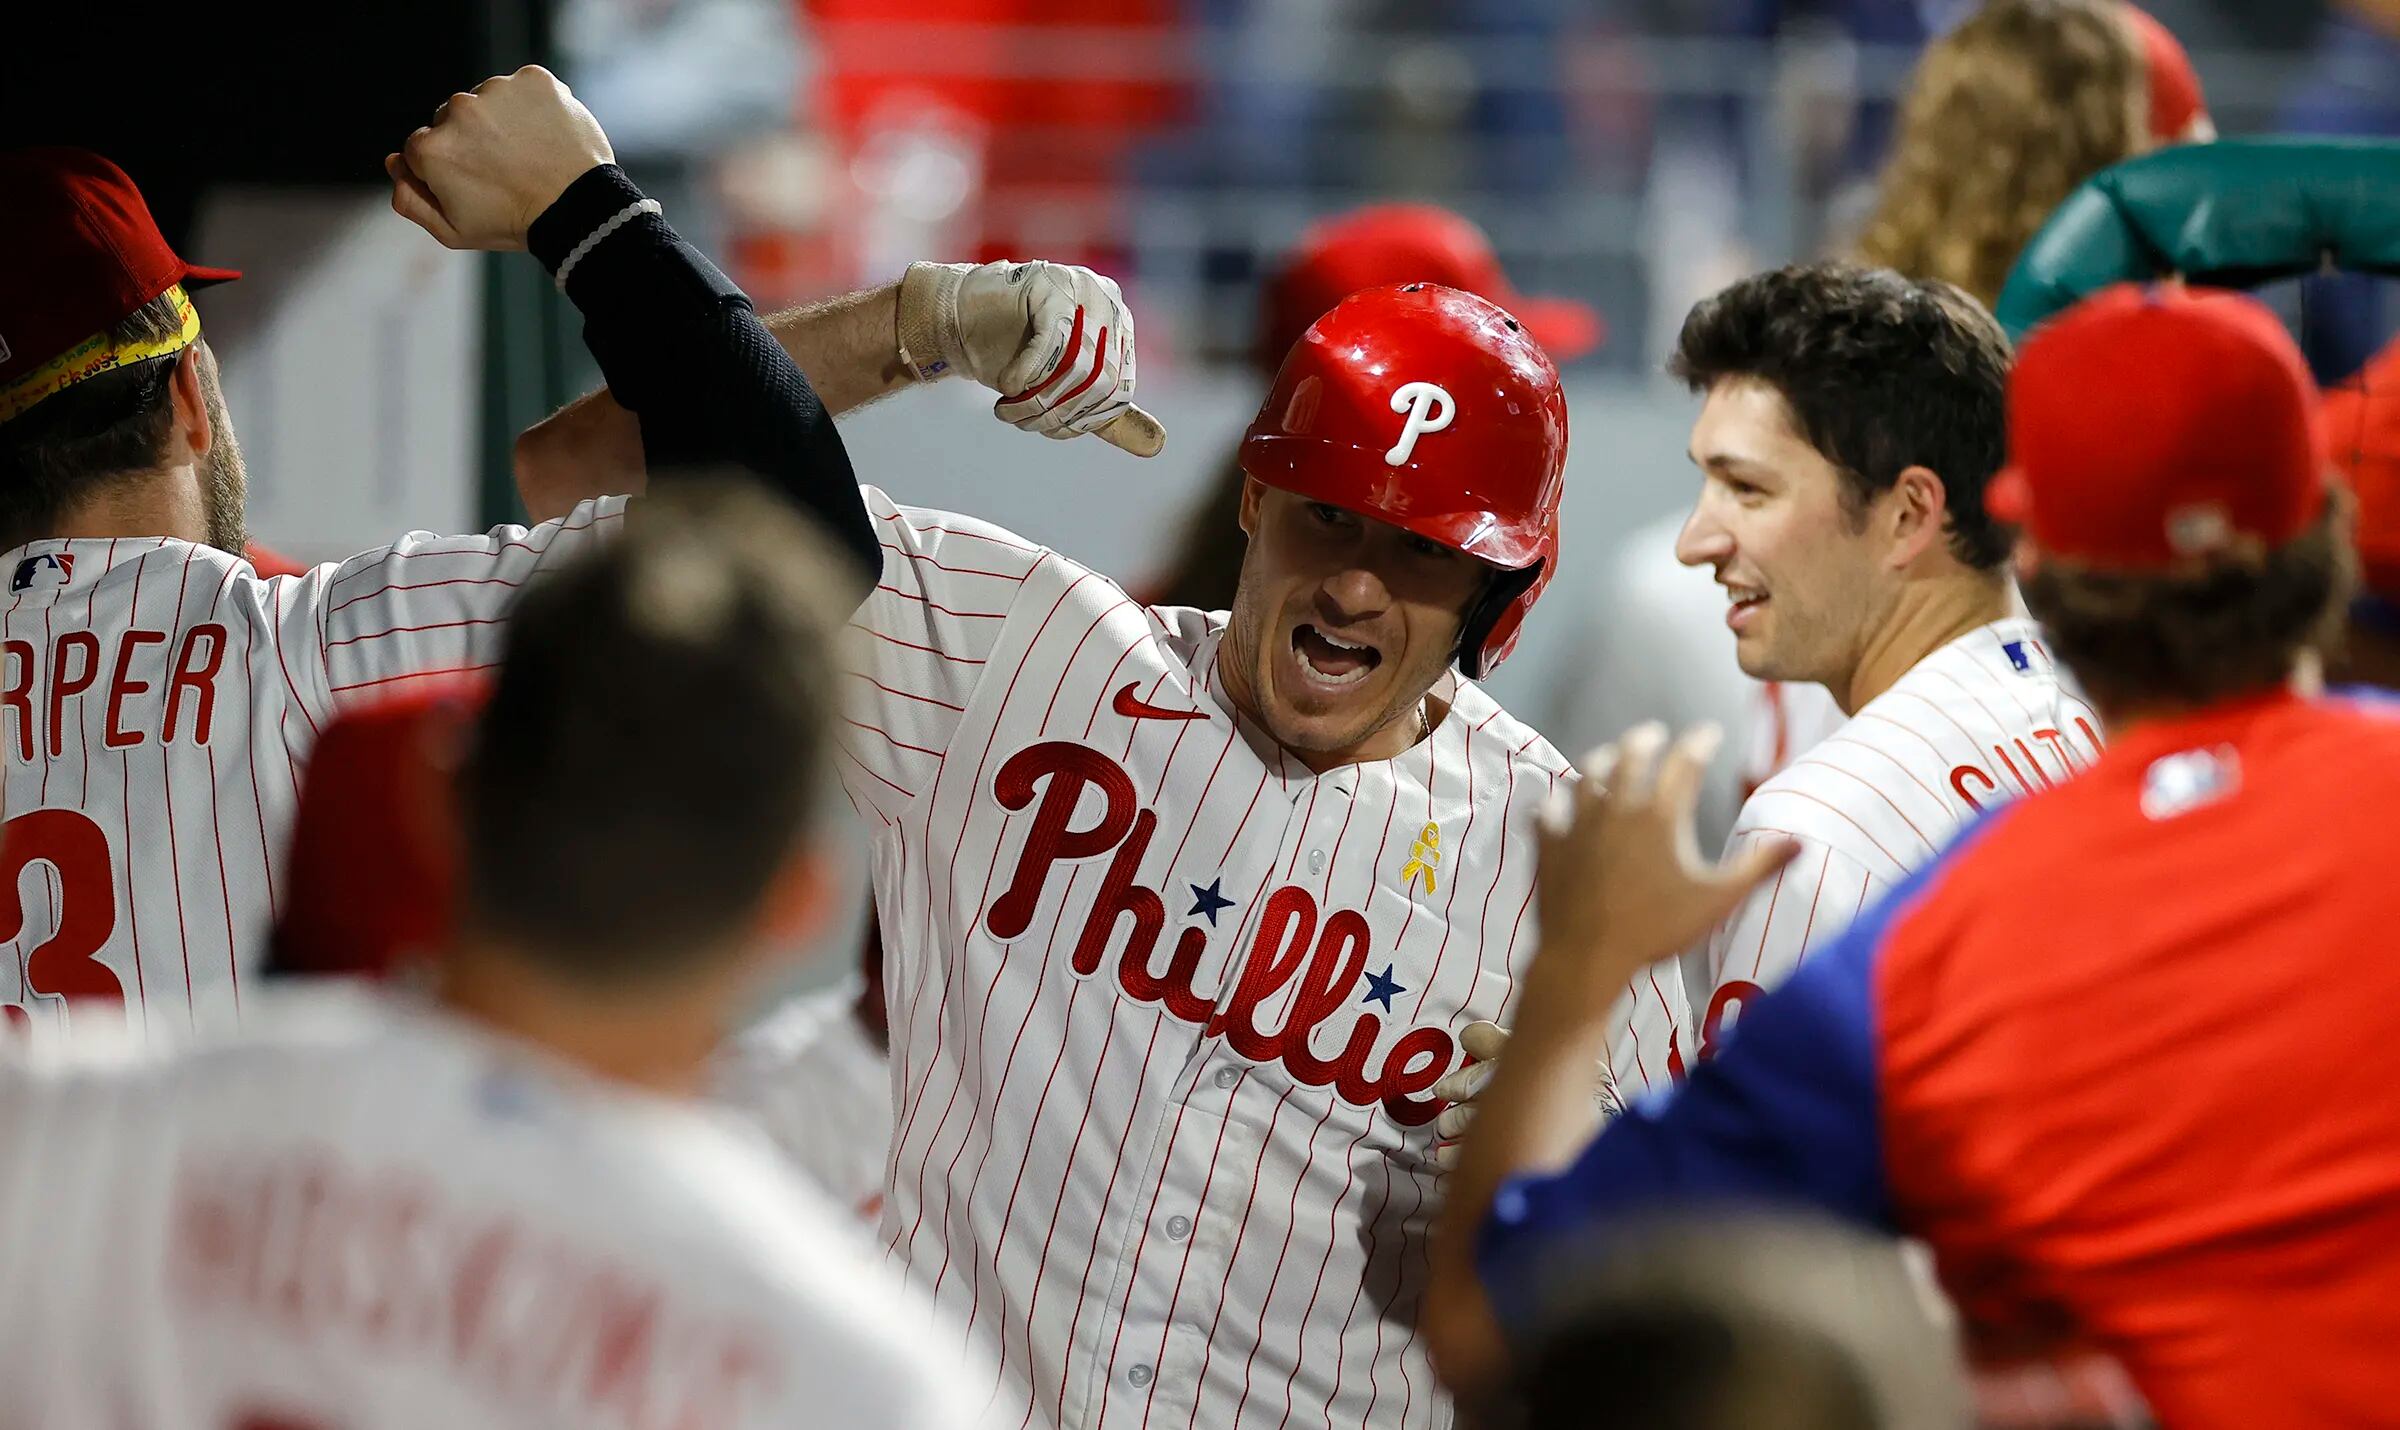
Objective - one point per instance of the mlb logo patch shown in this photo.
(2015, 651)
(56, 567)
(2189, 779)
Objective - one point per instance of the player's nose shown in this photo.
(1353, 593)
(1704, 541)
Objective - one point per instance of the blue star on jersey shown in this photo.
(1208, 901)
(1381, 988)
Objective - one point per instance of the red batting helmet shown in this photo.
(1433, 410)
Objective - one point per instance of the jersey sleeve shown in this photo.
(1808, 902)
(923, 642)
(816, 1083)
(425, 605)
(1646, 1041)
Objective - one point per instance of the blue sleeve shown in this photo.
(1787, 1115)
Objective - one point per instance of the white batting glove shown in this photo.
(1055, 341)
(1484, 1042)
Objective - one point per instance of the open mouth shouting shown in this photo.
(1329, 663)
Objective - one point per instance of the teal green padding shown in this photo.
(2232, 214)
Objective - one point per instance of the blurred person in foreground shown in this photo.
(2114, 1056)
(372, 894)
(2008, 114)
(498, 1206)
(1736, 1323)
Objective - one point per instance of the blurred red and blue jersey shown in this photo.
(2127, 1056)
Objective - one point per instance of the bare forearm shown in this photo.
(593, 447)
(1538, 1112)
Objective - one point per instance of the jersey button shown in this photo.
(1179, 1227)
(1227, 1077)
(1316, 861)
(1138, 1377)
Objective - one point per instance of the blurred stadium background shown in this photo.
(1631, 154)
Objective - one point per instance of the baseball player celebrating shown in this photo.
(502, 1210)
(1851, 420)
(1185, 911)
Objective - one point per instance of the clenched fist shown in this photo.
(493, 159)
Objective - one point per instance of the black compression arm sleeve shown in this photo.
(684, 351)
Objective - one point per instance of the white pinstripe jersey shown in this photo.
(1164, 1004)
(814, 1080)
(1976, 723)
(157, 700)
(367, 1214)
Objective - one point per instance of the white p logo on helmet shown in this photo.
(1429, 410)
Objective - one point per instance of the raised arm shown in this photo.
(521, 164)
(1054, 342)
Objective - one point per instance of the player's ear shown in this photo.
(1252, 494)
(1917, 506)
(192, 432)
(800, 899)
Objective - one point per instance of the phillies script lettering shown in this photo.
(1320, 955)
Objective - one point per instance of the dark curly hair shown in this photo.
(1881, 373)
(2221, 631)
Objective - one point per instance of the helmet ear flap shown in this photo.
(1499, 593)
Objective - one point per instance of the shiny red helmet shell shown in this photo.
(1430, 409)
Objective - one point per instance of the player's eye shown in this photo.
(1428, 548)
(1327, 514)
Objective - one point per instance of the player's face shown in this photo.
(1799, 571)
(1340, 625)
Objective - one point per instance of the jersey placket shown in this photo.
(1211, 1185)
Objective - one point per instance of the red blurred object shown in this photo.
(2176, 103)
(271, 563)
(1435, 411)
(2151, 425)
(374, 845)
(78, 253)
(2362, 432)
(1407, 243)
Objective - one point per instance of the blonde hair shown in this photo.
(2005, 116)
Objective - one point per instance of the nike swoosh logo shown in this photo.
(1133, 707)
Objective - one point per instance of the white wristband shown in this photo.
(621, 218)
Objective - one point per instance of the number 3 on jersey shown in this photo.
(1731, 998)
(66, 964)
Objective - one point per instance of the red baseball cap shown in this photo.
(1385, 244)
(2362, 426)
(370, 888)
(2150, 426)
(79, 253)
(2176, 103)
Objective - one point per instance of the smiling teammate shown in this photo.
(1851, 419)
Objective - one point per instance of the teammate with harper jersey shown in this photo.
(501, 1207)
(1852, 418)
(159, 697)
(1184, 911)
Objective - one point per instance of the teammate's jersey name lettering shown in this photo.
(384, 1265)
(2026, 774)
(1319, 955)
(42, 690)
